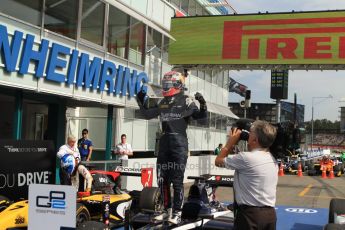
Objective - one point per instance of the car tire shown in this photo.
(341, 165)
(4, 202)
(336, 206)
(83, 214)
(135, 195)
(310, 165)
(334, 227)
(150, 200)
(311, 172)
(337, 169)
(294, 166)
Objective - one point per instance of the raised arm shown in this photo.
(199, 114)
(148, 112)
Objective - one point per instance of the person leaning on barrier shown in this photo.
(255, 179)
(70, 165)
(123, 149)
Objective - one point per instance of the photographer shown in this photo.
(256, 176)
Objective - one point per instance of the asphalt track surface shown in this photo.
(302, 202)
(306, 191)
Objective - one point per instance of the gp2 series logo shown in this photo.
(56, 199)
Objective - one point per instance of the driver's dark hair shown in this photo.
(265, 132)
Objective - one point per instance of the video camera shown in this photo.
(287, 136)
(244, 126)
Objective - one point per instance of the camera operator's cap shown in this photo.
(172, 83)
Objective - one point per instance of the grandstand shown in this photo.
(333, 141)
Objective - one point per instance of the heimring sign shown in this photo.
(303, 38)
(96, 74)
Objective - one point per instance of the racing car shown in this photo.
(201, 210)
(336, 217)
(105, 203)
(328, 163)
(106, 186)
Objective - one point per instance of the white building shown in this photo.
(67, 65)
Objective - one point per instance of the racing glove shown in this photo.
(142, 97)
(198, 96)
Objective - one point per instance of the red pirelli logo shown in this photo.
(321, 39)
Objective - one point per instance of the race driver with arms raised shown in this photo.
(175, 110)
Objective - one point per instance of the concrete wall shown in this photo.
(196, 165)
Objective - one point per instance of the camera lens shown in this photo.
(244, 135)
(244, 125)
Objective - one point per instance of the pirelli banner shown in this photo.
(263, 39)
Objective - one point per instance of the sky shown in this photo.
(306, 84)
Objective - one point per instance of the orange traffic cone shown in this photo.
(331, 174)
(299, 171)
(281, 169)
(324, 175)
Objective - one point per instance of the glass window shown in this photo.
(154, 43)
(184, 5)
(61, 17)
(154, 48)
(176, 3)
(157, 38)
(207, 124)
(213, 119)
(229, 121)
(137, 42)
(192, 8)
(118, 32)
(220, 78)
(225, 79)
(208, 74)
(28, 11)
(165, 49)
(198, 10)
(224, 122)
(6, 119)
(92, 21)
(194, 73)
(219, 119)
(214, 76)
(205, 12)
(201, 74)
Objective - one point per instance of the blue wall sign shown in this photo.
(81, 71)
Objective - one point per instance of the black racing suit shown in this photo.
(175, 113)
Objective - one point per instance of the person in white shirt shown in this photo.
(123, 149)
(70, 165)
(255, 179)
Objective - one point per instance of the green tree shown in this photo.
(324, 125)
